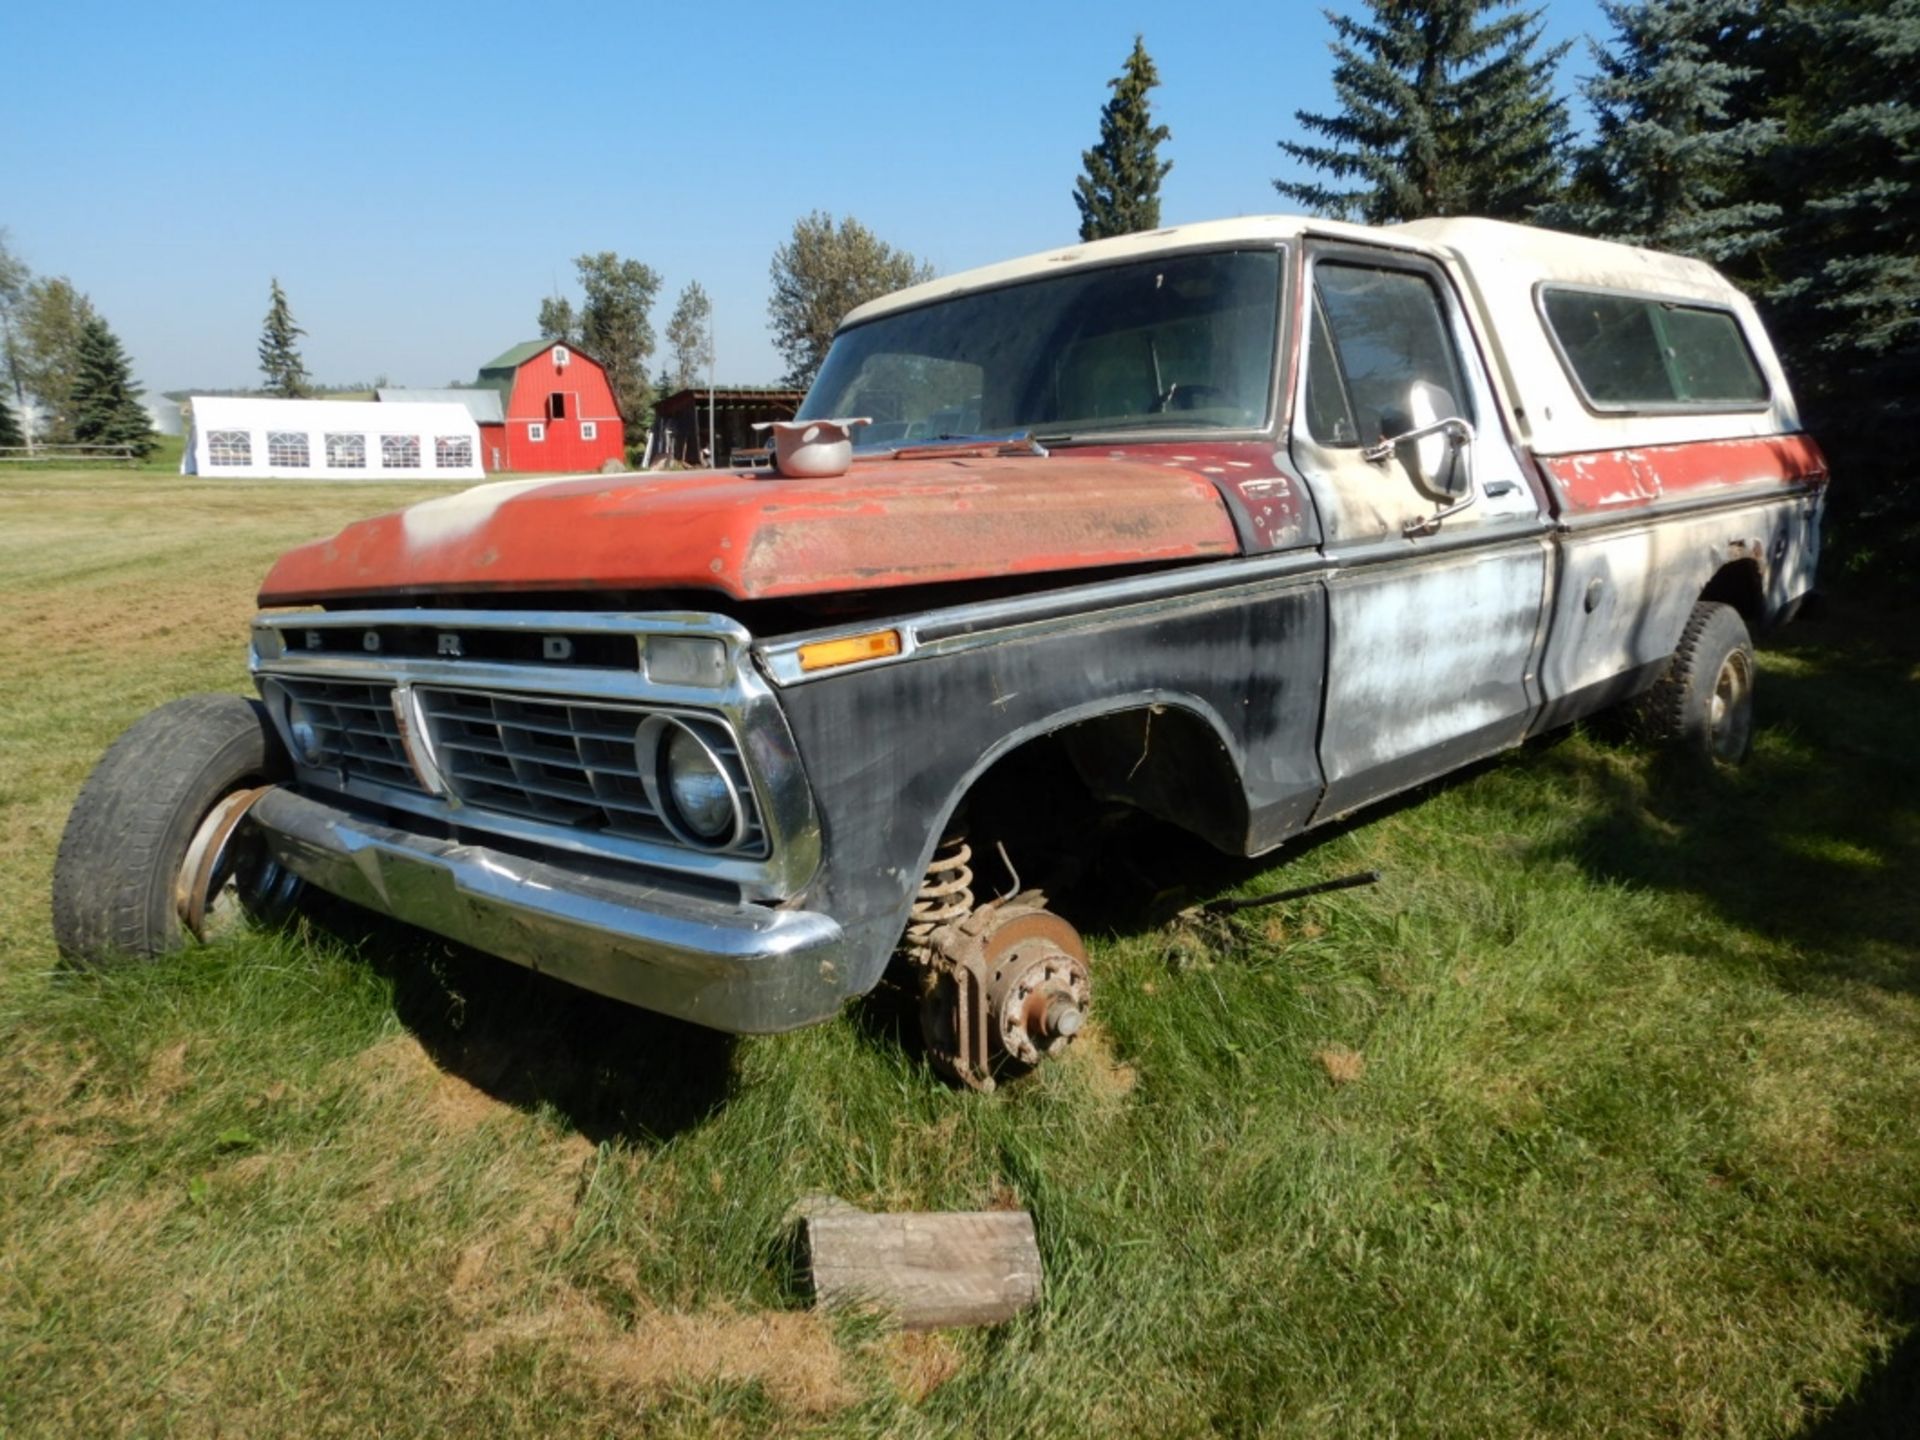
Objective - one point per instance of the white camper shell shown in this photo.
(1511, 274)
(243, 437)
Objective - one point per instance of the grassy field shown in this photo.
(1599, 1116)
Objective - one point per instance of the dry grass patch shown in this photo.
(400, 1067)
(1099, 1069)
(1341, 1065)
(919, 1362)
(791, 1354)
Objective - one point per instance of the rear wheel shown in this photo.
(157, 851)
(1703, 704)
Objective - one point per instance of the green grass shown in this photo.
(1624, 1140)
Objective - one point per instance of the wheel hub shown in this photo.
(1037, 997)
(1007, 986)
(1729, 712)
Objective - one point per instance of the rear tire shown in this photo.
(1703, 704)
(145, 811)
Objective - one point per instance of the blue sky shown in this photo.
(418, 176)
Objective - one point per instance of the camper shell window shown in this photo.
(1630, 352)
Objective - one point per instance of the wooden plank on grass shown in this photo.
(926, 1270)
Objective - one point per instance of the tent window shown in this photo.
(346, 452)
(536, 431)
(400, 452)
(229, 447)
(557, 405)
(589, 430)
(452, 452)
(288, 448)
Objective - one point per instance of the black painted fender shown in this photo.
(890, 751)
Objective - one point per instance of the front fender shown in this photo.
(891, 750)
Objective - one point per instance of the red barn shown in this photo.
(559, 411)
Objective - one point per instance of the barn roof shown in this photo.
(482, 401)
(514, 358)
(508, 361)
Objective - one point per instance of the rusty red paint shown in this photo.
(1604, 480)
(757, 537)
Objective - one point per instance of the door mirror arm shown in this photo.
(1459, 438)
(1430, 524)
(1458, 431)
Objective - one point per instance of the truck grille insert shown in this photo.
(563, 762)
(559, 761)
(358, 734)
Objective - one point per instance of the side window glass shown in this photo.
(1639, 350)
(1329, 412)
(1386, 330)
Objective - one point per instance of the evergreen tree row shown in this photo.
(1779, 141)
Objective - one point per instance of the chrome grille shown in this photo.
(564, 762)
(359, 736)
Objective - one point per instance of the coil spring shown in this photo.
(945, 894)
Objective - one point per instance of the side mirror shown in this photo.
(1431, 440)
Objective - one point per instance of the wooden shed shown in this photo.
(684, 431)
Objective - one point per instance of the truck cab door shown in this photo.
(1435, 594)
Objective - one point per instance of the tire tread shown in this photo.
(119, 854)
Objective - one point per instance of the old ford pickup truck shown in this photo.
(1243, 524)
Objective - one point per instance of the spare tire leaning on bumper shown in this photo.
(118, 874)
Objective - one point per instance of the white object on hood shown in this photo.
(816, 449)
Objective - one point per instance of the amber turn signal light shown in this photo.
(849, 650)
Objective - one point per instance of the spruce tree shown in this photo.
(1447, 108)
(1843, 283)
(1119, 189)
(1669, 152)
(280, 358)
(1864, 165)
(106, 402)
(10, 431)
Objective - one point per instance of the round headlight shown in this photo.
(308, 747)
(702, 794)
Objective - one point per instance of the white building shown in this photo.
(245, 437)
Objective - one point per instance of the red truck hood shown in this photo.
(753, 536)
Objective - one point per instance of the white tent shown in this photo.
(241, 436)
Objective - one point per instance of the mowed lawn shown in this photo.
(1600, 1115)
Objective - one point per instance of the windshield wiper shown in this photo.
(1002, 442)
(1007, 440)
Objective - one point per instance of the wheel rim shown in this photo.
(227, 870)
(1730, 711)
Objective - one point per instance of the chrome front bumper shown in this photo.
(739, 967)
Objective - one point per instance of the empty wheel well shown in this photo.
(1051, 793)
(1738, 584)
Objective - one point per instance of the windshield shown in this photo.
(1182, 342)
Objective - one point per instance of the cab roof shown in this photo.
(1474, 244)
(1502, 266)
